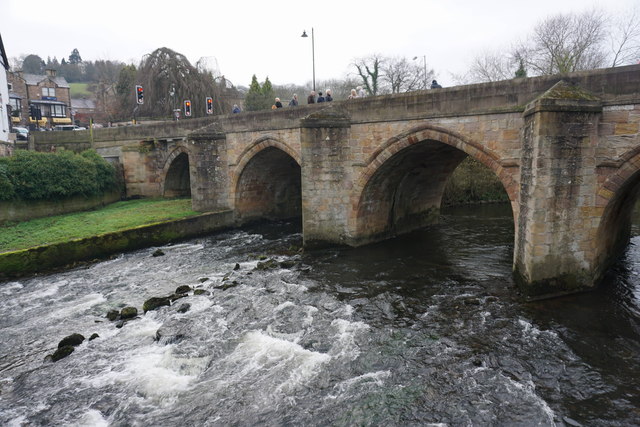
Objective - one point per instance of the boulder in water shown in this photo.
(201, 292)
(267, 265)
(113, 315)
(155, 303)
(184, 308)
(93, 336)
(175, 297)
(157, 253)
(183, 289)
(71, 340)
(62, 352)
(288, 264)
(128, 313)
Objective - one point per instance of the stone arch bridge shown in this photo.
(566, 149)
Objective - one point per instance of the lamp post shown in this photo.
(313, 55)
(424, 59)
(172, 94)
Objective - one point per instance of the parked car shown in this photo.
(69, 127)
(65, 127)
(22, 134)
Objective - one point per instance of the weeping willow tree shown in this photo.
(168, 79)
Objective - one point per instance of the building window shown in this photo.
(10, 86)
(49, 91)
(58, 111)
(16, 106)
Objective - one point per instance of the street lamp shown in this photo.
(424, 58)
(172, 94)
(313, 55)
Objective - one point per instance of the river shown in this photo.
(425, 329)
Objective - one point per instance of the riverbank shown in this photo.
(44, 244)
(114, 217)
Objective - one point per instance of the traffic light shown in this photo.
(139, 94)
(35, 112)
(187, 108)
(209, 105)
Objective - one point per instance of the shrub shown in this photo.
(473, 182)
(55, 176)
(6, 187)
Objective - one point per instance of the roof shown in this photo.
(83, 104)
(5, 61)
(46, 101)
(35, 79)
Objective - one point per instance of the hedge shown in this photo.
(29, 175)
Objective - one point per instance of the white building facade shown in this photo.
(5, 125)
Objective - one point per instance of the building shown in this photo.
(5, 125)
(83, 111)
(49, 94)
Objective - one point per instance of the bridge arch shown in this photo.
(616, 199)
(267, 183)
(176, 175)
(401, 185)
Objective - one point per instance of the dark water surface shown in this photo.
(426, 329)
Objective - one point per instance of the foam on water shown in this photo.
(91, 418)
(345, 345)
(152, 371)
(79, 306)
(345, 387)
(259, 352)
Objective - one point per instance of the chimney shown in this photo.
(50, 72)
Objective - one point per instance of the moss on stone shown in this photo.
(62, 352)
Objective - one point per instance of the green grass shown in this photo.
(79, 90)
(115, 217)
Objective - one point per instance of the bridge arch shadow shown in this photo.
(401, 186)
(268, 182)
(617, 198)
(176, 175)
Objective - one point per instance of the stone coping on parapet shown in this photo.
(67, 254)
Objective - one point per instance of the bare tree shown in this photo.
(402, 75)
(491, 66)
(624, 38)
(369, 71)
(566, 43)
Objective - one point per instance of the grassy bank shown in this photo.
(115, 217)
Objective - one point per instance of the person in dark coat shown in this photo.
(311, 99)
(329, 98)
(435, 85)
(294, 101)
(320, 97)
(278, 103)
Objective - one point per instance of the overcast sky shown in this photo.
(249, 37)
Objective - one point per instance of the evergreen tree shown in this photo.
(75, 57)
(254, 99)
(268, 93)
